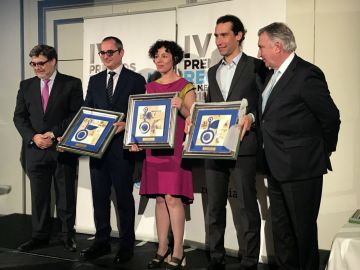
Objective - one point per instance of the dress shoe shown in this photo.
(158, 260)
(216, 265)
(176, 263)
(123, 256)
(96, 250)
(243, 267)
(70, 244)
(34, 243)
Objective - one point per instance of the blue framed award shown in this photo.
(151, 121)
(214, 132)
(90, 132)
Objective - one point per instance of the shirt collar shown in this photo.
(116, 70)
(235, 61)
(52, 77)
(286, 63)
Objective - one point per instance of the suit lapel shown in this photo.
(120, 85)
(36, 94)
(281, 83)
(55, 92)
(215, 92)
(239, 69)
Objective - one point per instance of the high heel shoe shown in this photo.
(159, 260)
(179, 263)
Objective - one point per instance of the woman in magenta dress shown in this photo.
(165, 175)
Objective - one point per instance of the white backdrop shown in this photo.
(195, 34)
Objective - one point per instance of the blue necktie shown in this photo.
(269, 88)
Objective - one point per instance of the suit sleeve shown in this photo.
(89, 95)
(76, 100)
(317, 97)
(21, 116)
(140, 85)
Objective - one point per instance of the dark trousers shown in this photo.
(41, 176)
(117, 173)
(294, 210)
(242, 172)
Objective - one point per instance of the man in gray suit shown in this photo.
(235, 77)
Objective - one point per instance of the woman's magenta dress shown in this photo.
(164, 171)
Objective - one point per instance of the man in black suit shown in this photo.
(45, 106)
(110, 90)
(299, 126)
(234, 78)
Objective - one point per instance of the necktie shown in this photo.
(110, 86)
(45, 94)
(269, 88)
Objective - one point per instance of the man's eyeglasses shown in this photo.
(40, 64)
(108, 52)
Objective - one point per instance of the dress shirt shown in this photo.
(50, 83)
(116, 76)
(225, 74)
(284, 66)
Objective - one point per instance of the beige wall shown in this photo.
(327, 33)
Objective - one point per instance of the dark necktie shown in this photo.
(110, 86)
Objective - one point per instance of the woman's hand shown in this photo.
(176, 102)
(187, 124)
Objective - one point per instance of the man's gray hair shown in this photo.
(280, 31)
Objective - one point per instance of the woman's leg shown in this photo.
(177, 221)
(162, 224)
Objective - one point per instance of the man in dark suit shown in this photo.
(299, 126)
(234, 78)
(45, 106)
(110, 90)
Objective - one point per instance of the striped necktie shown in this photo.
(110, 86)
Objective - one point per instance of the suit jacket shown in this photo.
(65, 100)
(247, 81)
(300, 123)
(129, 83)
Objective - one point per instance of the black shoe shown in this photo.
(96, 250)
(123, 256)
(243, 267)
(216, 265)
(34, 243)
(178, 263)
(70, 244)
(158, 260)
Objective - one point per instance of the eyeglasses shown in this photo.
(40, 64)
(108, 52)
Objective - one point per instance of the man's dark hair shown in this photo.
(45, 50)
(237, 25)
(170, 47)
(117, 41)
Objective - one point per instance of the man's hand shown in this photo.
(135, 148)
(59, 139)
(245, 123)
(119, 127)
(42, 141)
